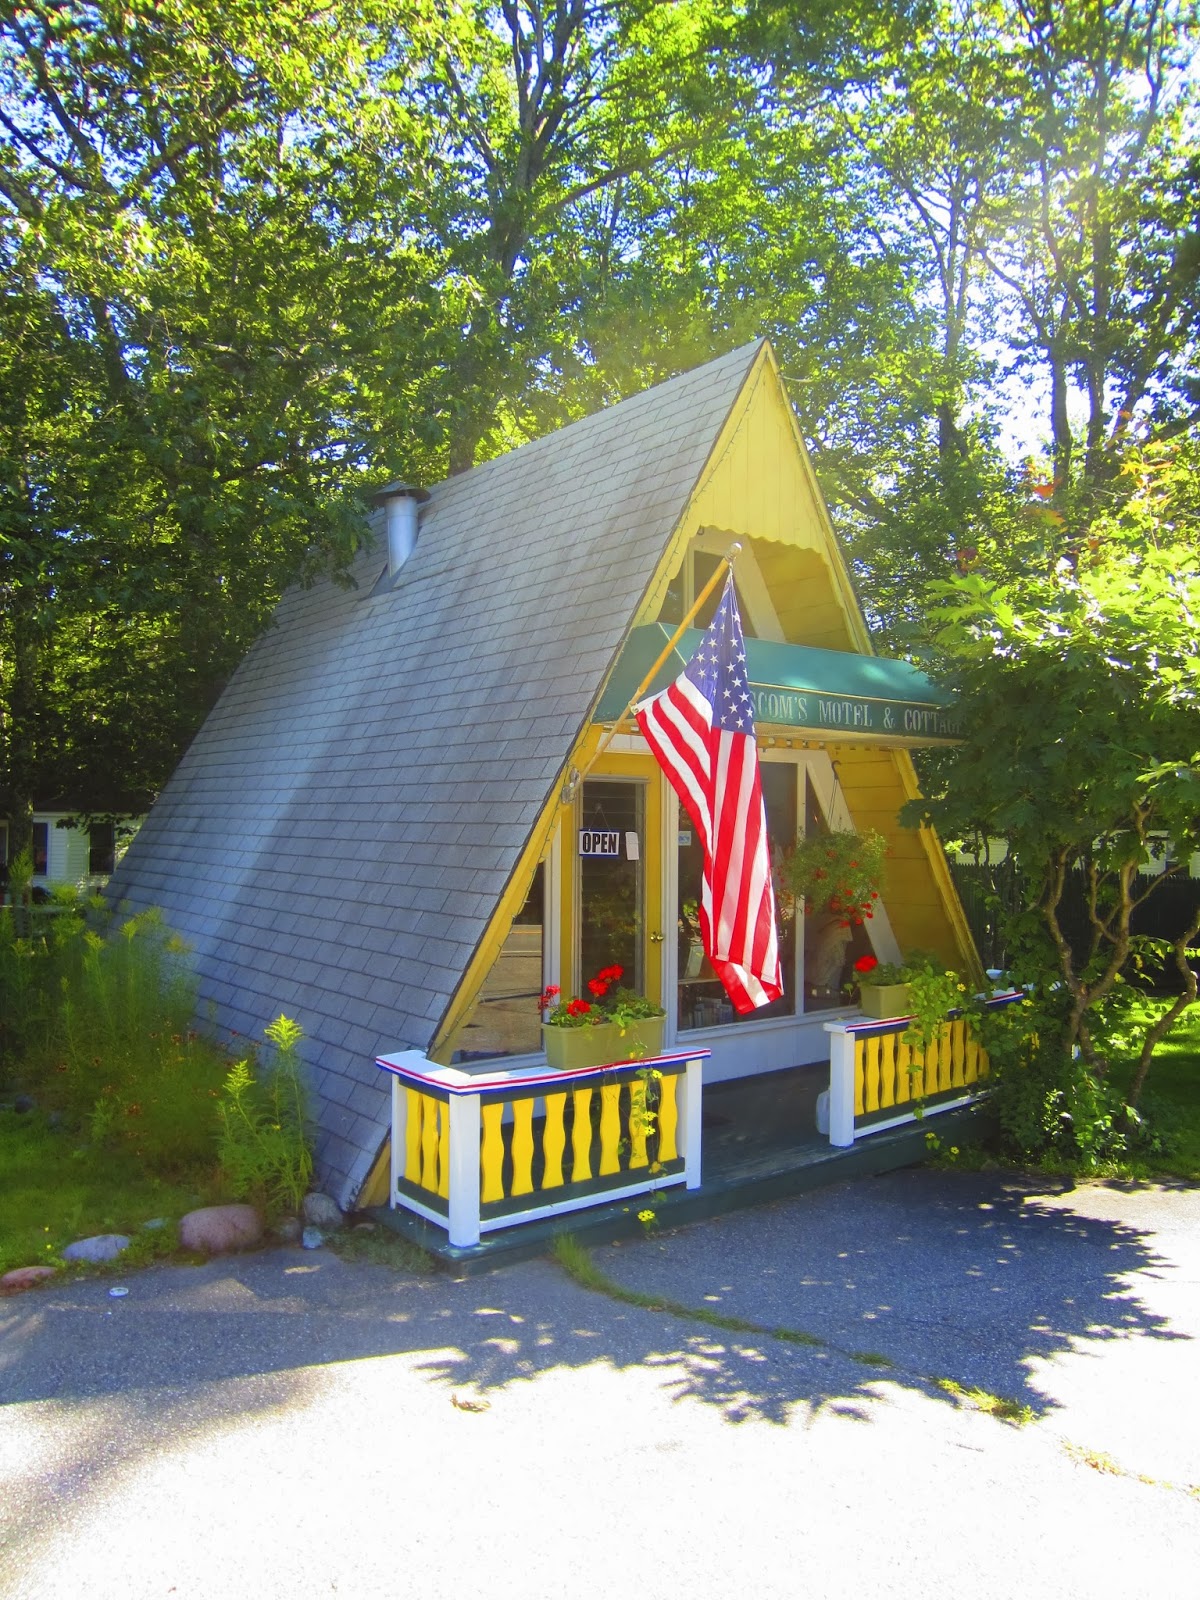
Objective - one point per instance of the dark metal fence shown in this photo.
(991, 892)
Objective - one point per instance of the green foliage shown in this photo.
(263, 1141)
(98, 1027)
(1076, 687)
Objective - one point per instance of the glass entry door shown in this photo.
(610, 851)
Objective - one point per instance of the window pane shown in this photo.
(703, 1002)
(506, 1020)
(610, 886)
(101, 846)
(41, 847)
(830, 946)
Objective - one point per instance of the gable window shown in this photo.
(41, 849)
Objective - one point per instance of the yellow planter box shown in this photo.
(571, 1049)
(884, 1000)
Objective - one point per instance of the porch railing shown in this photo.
(474, 1152)
(877, 1081)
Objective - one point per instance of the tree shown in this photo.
(189, 366)
(1077, 689)
(533, 118)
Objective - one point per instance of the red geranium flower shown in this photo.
(866, 964)
(578, 1008)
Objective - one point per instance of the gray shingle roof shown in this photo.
(334, 842)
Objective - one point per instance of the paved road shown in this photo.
(285, 1424)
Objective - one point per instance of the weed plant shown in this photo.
(263, 1143)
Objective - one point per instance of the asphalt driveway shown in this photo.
(286, 1424)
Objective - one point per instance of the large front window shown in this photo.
(703, 1002)
(505, 1020)
(816, 966)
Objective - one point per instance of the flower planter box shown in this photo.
(571, 1049)
(884, 1000)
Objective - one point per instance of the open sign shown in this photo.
(599, 842)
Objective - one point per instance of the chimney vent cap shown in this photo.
(398, 491)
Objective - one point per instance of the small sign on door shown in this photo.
(599, 842)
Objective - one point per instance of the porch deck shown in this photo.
(759, 1143)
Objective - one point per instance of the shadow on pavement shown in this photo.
(959, 1276)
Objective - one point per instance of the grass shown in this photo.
(994, 1404)
(56, 1189)
(380, 1247)
(1172, 1103)
(129, 1102)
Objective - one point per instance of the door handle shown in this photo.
(656, 938)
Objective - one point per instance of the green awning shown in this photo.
(824, 694)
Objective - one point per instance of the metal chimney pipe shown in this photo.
(402, 504)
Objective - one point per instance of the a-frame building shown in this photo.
(375, 830)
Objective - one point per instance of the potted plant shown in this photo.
(836, 874)
(614, 1024)
(921, 989)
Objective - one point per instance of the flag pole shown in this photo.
(726, 567)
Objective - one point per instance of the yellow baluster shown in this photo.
(668, 1117)
(871, 1087)
(958, 1036)
(638, 1126)
(522, 1147)
(429, 1146)
(971, 1069)
(946, 1058)
(581, 1136)
(903, 1076)
(443, 1187)
(610, 1128)
(554, 1141)
(415, 1102)
(858, 1077)
(918, 1057)
(887, 1070)
(985, 1065)
(491, 1153)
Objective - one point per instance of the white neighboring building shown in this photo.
(76, 855)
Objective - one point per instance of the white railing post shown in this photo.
(399, 1129)
(463, 1219)
(691, 1084)
(841, 1084)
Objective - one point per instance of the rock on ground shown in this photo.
(322, 1211)
(100, 1247)
(24, 1278)
(214, 1229)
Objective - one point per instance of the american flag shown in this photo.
(701, 730)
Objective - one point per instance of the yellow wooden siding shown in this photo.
(921, 901)
(803, 591)
(759, 484)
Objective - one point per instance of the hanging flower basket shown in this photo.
(839, 874)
